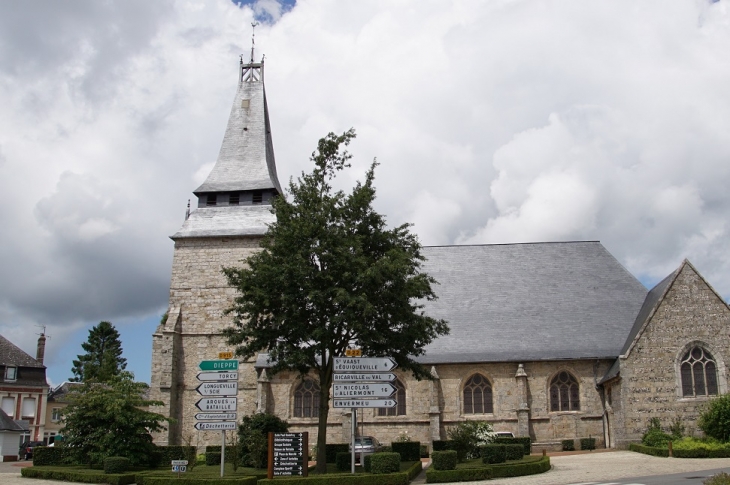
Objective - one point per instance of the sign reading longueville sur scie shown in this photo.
(288, 454)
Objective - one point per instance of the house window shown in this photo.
(698, 373)
(8, 405)
(306, 399)
(28, 408)
(56, 415)
(257, 197)
(478, 395)
(400, 398)
(211, 199)
(564, 395)
(11, 373)
(234, 198)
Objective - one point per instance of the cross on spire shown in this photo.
(253, 38)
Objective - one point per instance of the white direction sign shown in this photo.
(179, 462)
(217, 376)
(215, 416)
(364, 364)
(386, 377)
(365, 403)
(217, 404)
(215, 425)
(218, 388)
(362, 390)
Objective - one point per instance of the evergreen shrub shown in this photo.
(442, 445)
(444, 460)
(409, 450)
(458, 475)
(78, 477)
(116, 464)
(524, 441)
(212, 458)
(343, 461)
(514, 451)
(49, 456)
(649, 450)
(492, 454)
(719, 479)
(568, 445)
(587, 443)
(521, 469)
(381, 463)
(331, 450)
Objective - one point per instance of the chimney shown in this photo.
(41, 348)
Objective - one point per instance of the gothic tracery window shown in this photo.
(478, 395)
(564, 393)
(698, 372)
(306, 399)
(400, 397)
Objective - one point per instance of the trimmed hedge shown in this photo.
(173, 480)
(442, 445)
(50, 456)
(587, 443)
(521, 469)
(116, 464)
(343, 461)
(524, 441)
(75, 476)
(514, 452)
(176, 452)
(331, 450)
(444, 460)
(366, 463)
(568, 445)
(409, 450)
(458, 475)
(401, 478)
(649, 450)
(230, 453)
(383, 463)
(701, 453)
(492, 454)
(212, 458)
(414, 470)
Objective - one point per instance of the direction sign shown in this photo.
(289, 451)
(217, 376)
(218, 365)
(218, 388)
(217, 404)
(365, 403)
(179, 462)
(215, 425)
(364, 364)
(380, 377)
(356, 390)
(215, 416)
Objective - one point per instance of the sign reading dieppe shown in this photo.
(218, 365)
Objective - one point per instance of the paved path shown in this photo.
(567, 469)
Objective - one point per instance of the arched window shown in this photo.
(400, 398)
(699, 373)
(306, 399)
(478, 395)
(564, 395)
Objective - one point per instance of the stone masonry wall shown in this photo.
(690, 312)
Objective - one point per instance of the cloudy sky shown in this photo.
(494, 121)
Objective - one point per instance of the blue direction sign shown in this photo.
(218, 365)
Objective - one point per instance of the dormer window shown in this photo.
(234, 198)
(257, 197)
(11, 373)
(212, 199)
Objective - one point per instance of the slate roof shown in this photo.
(246, 158)
(239, 220)
(7, 423)
(528, 302)
(10, 354)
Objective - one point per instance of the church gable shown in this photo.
(676, 360)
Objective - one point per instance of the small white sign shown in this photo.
(218, 388)
(216, 425)
(217, 376)
(215, 416)
(179, 462)
(365, 403)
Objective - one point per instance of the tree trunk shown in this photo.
(325, 381)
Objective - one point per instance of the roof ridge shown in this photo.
(509, 244)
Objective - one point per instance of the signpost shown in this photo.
(217, 404)
(218, 388)
(358, 383)
(179, 466)
(217, 376)
(288, 454)
(215, 425)
(365, 389)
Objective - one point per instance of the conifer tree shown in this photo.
(332, 275)
(103, 358)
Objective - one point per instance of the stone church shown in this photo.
(549, 340)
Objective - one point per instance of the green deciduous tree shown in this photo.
(103, 358)
(111, 419)
(715, 418)
(332, 275)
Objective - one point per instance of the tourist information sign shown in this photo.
(218, 365)
(364, 364)
(365, 403)
(218, 388)
(217, 404)
(288, 454)
(217, 376)
(362, 390)
(215, 416)
(381, 377)
(215, 425)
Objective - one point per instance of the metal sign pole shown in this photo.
(223, 452)
(352, 438)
